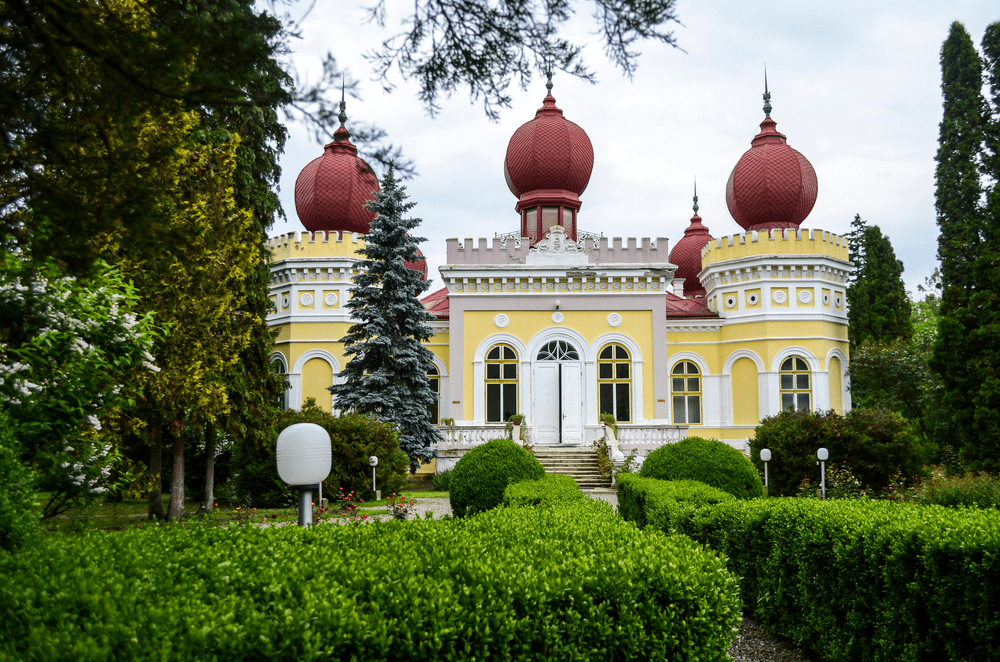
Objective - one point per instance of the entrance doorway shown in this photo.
(557, 404)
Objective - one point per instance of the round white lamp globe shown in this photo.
(303, 453)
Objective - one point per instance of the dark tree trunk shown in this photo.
(209, 501)
(176, 509)
(155, 498)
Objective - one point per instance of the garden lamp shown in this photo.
(765, 456)
(373, 462)
(303, 453)
(823, 455)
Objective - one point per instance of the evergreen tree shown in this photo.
(386, 376)
(967, 350)
(879, 309)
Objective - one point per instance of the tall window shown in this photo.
(795, 390)
(434, 379)
(501, 383)
(685, 386)
(614, 381)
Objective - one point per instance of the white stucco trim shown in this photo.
(820, 380)
(638, 404)
(726, 385)
(793, 350)
(479, 374)
(845, 380)
(295, 375)
(712, 398)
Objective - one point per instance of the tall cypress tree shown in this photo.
(386, 376)
(967, 351)
(879, 309)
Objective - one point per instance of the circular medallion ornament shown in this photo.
(730, 301)
(501, 321)
(805, 296)
(752, 299)
(614, 319)
(838, 301)
(557, 317)
(305, 299)
(826, 299)
(284, 301)
(330, 299)
(779, 297)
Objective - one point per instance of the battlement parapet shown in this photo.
(315, 244)
(775, 243)
(499, 251)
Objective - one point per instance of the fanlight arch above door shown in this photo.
(557, 350)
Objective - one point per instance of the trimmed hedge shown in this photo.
(708, 461)
(863, 580)
(481, 475)
(551, 489)
(662, 504)
(592, 587)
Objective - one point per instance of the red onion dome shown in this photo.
(420, 264)
(772, 185)
(687, 254)
(331, 191)
(548, 153)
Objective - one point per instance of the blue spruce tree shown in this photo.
(386, 376)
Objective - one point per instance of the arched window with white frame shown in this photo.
(795, 384)
(614, 382)
(685, 389)
(501, 383)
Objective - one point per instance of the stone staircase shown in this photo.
(576, 461)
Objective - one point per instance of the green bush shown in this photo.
(592, 587)
(664, 505)
(353, 439)
(18, 521)
(551, 489)
(708, 461)
(481, 475)
(442, 480)
(873, 443)
(971, 490)
(863, 580)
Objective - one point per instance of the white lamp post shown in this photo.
(303, 454)
(823, 455)
(373, 462)
(765, 456)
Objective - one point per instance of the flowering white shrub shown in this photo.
(70, 351)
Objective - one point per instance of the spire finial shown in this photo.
(696, 196)
(343, 106)
(548, 79)
(767, 96)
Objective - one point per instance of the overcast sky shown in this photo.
(855, 87)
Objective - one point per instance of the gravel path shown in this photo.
(752, 644)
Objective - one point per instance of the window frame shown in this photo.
(503, 384)
(795, 391)
(686, 394)
(620, 388)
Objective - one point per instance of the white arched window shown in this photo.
(501, 383)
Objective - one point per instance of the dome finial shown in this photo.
(767, 96)
(695, 196)
(548, 79)
(343, 106)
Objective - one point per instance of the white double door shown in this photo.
(557, 402)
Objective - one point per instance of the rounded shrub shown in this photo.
(481, 475)
(708, 461)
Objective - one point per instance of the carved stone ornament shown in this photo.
(330, 299)
(306, 299)
(501, 321)
(614, 320)
(556, 241)
(557, 317)
(779, 296)
(805, 296)
(284, 301)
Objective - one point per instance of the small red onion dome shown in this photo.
(549, 153)
(420, 264)
(331, 191)
(772, 185)
(687, 254)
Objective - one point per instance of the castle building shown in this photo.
(561, 324)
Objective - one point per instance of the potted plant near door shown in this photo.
(513, 427)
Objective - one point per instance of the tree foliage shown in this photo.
(878, 306)
(484, 46)
(386, 375)
(967, 351)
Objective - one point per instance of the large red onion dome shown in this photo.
(549, 152)
(772, 185)
(331, 190)
(687, 254)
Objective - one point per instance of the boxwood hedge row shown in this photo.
(565, 582)
(552, 489)
(865, 580)
(662, 504)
